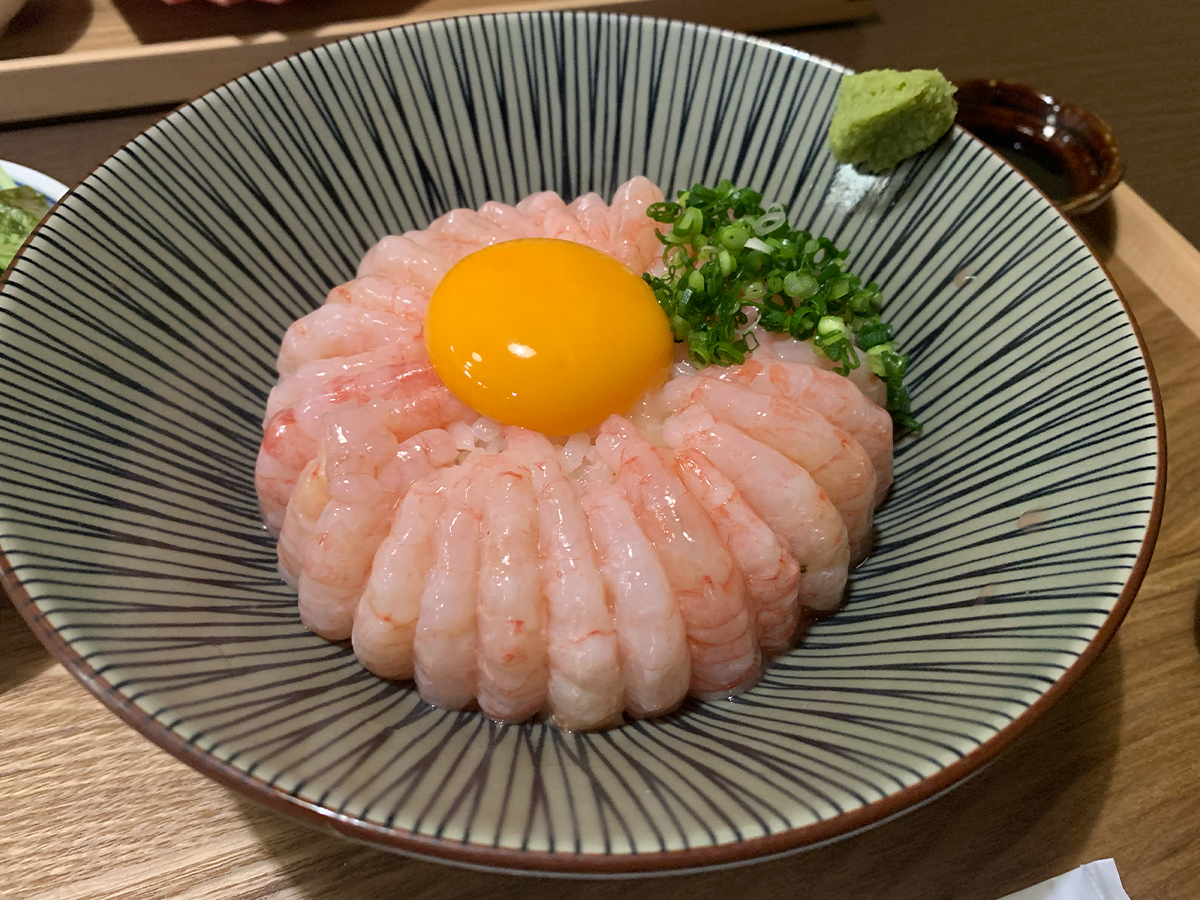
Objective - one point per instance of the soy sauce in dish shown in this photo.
(1039, 165)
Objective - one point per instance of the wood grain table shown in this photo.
(91, 810)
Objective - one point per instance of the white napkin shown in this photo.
(1095, 881)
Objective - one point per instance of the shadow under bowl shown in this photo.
(1065, 150)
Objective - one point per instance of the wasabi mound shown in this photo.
(884, 116)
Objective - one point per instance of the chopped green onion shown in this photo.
(728, 260)
(690, 222)
(755, 290)
(799, 285)
(875, 358)
(733, 237)
(664, 212)
(830, 326)
(767, 223)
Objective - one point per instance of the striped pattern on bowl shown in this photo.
(140, 330)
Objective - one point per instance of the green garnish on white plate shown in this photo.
(21, 208)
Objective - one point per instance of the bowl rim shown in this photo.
(600, 865)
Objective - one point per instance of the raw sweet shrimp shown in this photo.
(311, 377)
(834, 397)
(782, 493)
(304, 508)
(511, 611)
(591, 212)
(770, 570)
(655, 660)
(384, 294)
(586, 689)
(466, 231)
(401, 259)
(559, 223)
(835, 460)
(445, 641)
(509, 220)
(338, 563)
(552, 217)
(720, 629)
(447, 250)
(631, 232)
(358, 447)
(367, 472)
(385, 622)
(417, 401)
(536, 207)
(784, 347)
(338, 329)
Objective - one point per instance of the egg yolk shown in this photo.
(546, 334)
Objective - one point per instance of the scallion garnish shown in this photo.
(725, 255)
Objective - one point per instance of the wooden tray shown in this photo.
(62, 57)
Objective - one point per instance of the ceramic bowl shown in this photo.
(1070, 153)
(142, 324)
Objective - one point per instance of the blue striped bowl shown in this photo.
(141, 326)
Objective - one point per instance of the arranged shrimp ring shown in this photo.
(669, 553)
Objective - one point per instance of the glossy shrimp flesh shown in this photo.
(367, 472)
(445, 640)
(783, 494)
(829, 394)
(667, 553)
(712, 597)
(586, 689)
(511, 608)
(415, 398)
(339, 329)
(836, 462)
(769, 569)
(651, 635)
(385, 621)
(782, 347)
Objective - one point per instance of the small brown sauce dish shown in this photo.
(1065, 150)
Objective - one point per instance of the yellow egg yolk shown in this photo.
(546, 334)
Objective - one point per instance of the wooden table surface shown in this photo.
(89, 809)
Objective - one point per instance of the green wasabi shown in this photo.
(884, 116)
